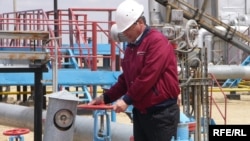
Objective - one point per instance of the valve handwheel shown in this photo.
(16, 132)
(95, 107)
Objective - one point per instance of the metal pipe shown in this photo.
(22, 117)
(155, 13)
(93, 61)
(204, 33)
(228, 36)
(229, 71)
(38, 106)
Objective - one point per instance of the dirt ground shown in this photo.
(238, 112)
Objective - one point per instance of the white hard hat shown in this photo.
(127, 13)
(117, 36)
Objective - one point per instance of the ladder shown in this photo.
(235, 82)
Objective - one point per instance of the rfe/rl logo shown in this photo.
(229, 132)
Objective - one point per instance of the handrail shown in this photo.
(212, 100)
(26, 22)
(77, 33)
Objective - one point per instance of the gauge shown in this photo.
(63, 119)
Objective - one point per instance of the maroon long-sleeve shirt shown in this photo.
(149, 72)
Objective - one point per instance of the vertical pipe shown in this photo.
(55, 18)
(38, 105)
(85, 25)
(204, 92)
(245, 7)
(44, 98)
(197, 103)
(55, 68)
(94, 46)
(71, 31)
(25, 95)
(14, 6)
(113, 54)
(1, 96)
(18, 97)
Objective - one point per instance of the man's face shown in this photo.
(132, 32)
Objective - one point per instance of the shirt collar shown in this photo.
(140, 37)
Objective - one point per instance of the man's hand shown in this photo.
(97, 101)
(120, 106)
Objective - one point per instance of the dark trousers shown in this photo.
(158, 125)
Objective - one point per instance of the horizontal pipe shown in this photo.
(23, 117)
(229, 71)
(230, 35)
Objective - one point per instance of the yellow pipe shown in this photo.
(17, 93)
(231, 89)
(29, 92)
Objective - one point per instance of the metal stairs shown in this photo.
(69, 62)
(81, 91)
(234, 82)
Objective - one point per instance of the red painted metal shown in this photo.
(95, 107)
(16, 132)
(76, 27)
(212, 101)
(94, 47)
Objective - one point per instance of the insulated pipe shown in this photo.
(22, 117)
(204, 24)
(155, 13)
(229, 71)
(191, 24)
(241, 29)
(204, 33)
(209, 44)
(201, 35)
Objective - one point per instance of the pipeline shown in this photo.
(205, 21)
(229, 71)
(23, 117)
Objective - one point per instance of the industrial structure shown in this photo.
(82, 49)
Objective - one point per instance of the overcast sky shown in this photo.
(47, 5)
(8, 5)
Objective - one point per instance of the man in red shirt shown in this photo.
(149, 80)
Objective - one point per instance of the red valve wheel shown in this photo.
(16, 132)
(95, 107)
(191, 126)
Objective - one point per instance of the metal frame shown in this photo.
(36, 68)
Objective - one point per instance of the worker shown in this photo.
(149, 79)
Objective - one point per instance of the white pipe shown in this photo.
(238, 28)
(209, 44)
(201, 35)
(229, 71)
(23, 117)
(155, 13)
(191, 25)
(203, 32)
